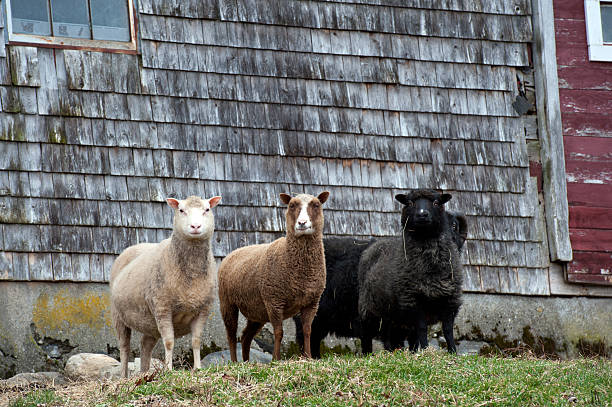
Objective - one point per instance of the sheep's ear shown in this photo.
(285, 198)
(323, 196)
(403, 199)
(214, 201)
(463, 225)
(174, 203)
(444, 198)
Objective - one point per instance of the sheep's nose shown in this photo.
(196, 227)
(422, 214)
(302, 222)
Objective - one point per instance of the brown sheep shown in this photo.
(165, 289)
(272, 282)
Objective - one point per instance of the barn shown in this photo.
(108, 109)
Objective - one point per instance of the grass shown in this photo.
(430, 378)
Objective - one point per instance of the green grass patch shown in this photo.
(37, 398)
(430, 378)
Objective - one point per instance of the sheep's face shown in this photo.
(193, 218)
(304, 213)
(423, 213)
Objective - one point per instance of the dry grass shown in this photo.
(430, 378)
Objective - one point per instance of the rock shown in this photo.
(26, 379)
(93, 366)
(90, 366)
(223, 357)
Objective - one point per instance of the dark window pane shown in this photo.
(110, 20)
(70, 18)
(30, 17)
(606, 22)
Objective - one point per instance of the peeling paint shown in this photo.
(64, 311)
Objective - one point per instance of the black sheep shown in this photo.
(338, 307)
(413, 280)
(337, 311)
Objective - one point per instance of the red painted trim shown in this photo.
(586, 217)
(535, 170)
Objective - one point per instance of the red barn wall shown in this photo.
(585, 91)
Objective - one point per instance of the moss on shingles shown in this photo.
(57, 137)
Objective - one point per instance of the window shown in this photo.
(94, 24)
(598, 15)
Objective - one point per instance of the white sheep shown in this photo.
(165, 289)
(272, 282)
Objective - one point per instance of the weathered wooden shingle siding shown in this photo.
(250, 98)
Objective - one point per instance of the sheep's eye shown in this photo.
(316, 205)
(436, 203)
(181, 211)
(292, 206)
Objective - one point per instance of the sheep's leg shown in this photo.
(307, 315)
(413, 341)
(447, 330)
(315, 343)
(249, 332)
(299, 335)
(124, 335)
(229, 313)
(422, 331)
(166, 329)
(277, 326)
(197, 325)
(147, 343)
(275, 316)
(366, 345)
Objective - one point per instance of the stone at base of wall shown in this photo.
(43, 324)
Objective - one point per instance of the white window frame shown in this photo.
(598, 49)
(74, 43)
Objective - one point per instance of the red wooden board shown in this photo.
(594, 240)
(576, 55)
(589, 195)
(585, 77)
(593, 124)
(586, 101)
(589, 279)
(591, 263)
(589, 172)
(590, 218)
(594, 149)
(571, 9)
(570, 32)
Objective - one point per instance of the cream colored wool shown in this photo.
(165, 289)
